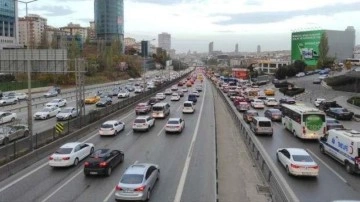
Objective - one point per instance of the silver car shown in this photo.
(137, 182)
(11, 133)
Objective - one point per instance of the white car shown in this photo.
(47, 112)
(300, 74)
(138, 90)
(184, 89)
(175, 125)
(7, 117)
(175, 97)
(174, 88)
(143, 123)
(8, 101)
(51, 93)
(188, 107)
(297, 162)
(196, 93)
(322, 77)
(21, 96)
(131, 79)
(70, 154)
(271, 102)
(124, 94)
(111, 127)
(57, 103)
(160, 96)
(257, 104)
(318, 101)
(168, 92)
(67, 113)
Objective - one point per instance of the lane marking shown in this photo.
(178, 109)
(63, 185)
(127, 134)
(161, 131)
(323, 162)
(113, 190)
(181, 184)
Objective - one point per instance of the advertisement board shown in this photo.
(305, 46)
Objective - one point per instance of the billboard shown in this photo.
(305, 46)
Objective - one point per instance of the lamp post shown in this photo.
(30, 125)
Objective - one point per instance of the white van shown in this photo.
(344, 146)
(261, 125)
(160, 110)
(188, 107)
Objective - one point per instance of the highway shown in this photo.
(333, 182)
(187, 162)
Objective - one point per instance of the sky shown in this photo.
(194, 23)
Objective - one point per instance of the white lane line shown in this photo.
(127, 134)
(132, 112)
(323, 162)
(178, 109)
(63, 185)
(161, 131)
(113, 191)
(181, 184)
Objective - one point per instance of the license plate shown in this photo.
(128, 190)
(93, 173)
(306, 173)
(57, 159)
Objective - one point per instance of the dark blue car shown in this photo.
(192, 97)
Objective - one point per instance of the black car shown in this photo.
(273, 114)
(333, 124)
(129, 88)
(57, 89)
(325, 105)
(287, 101)
(103, 161)
(115, 91)
(104, 101)
(339, 113)
(153, 100)
(317, 81)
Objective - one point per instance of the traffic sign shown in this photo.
(59, 127)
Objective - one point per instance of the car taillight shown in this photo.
(315, 167)
(51, 158)
(118, 188)
(86, 164)
(357, 160)
(66, 158)
(142, 188)
(304, 130)
(103, 164)
(294, 166)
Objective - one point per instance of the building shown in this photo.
(32, 30)
(128, 41)
(53, 34)
(9, 26)
(76, 29)
(109, 21)
(240, 73)
(211, 47)
(270, 66)
(172, 53)
(164, 41)
(145, 48)
(258, 50)
(305, 44)
(357, 51)
(91, 33)
(236, 48)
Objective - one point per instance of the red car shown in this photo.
(142, 108)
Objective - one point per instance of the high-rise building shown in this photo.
(31, 30)
(76, 29)
(211, 47)
(258, 49)
(164, 41)
(109, 21)
(145, 48)
(237, 48)
(8, 24)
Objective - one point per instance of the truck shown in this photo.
(344, 146)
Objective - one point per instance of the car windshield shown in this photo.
(106, 126)
(173, 122)
(332, 121)
(187, 105)
(66, 110)
(103, 99)
(253, 114)
(335, 126)
(302, 158)
(123, 91)
(4, 130)
(132, 179)
(157, 108)
(63, 151)
(264, 123)
(139, 121)
(46, 110)
(55, 101)
(275, 111)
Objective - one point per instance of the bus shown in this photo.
(303, 122)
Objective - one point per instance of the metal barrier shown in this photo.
(279, 188)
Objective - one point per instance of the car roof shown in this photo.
(297, 151)
(110, 122)
(70, 145)
(190, 102)
(142, 117)
(69, 108)
(174, 119)
(139, 168)
(142, 103)
(273, 110)
(262, 118)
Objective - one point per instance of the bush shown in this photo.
(354, 100)
(284, 84)
(292, 91)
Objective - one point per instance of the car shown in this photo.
(257, 104)
(57, 103)
(184, 89)
(103, 161)
(142, 108)
(21, 96)
(270, 102)
(192, 98)
(138, 90)
(104, 101)
(263, 98)
(160, 96)
(67, 113)
(10, 133)
(174, 88)
(175, 97)
(112, 127)
(269, 92)
(153, 100)
(129, 88)
(196, 93)
(51, 93)
(143, 123)
(168, 92)
(105, 94)
(300, 74)
(325, 105)
(131, 79)
(116, 91)
(297, 162)
(322, 77)
(56, 88)
(92, 99)
(181, 94)
(189, 84)
(273, 114)
(70, 154)
(198, 87)
(46, 113)
(317, 101)
(123, 94)
(339, 113)
(333, 124)
(8, 101)
(175, 125)
(287, 101)
(249, 114)
(188, 107)
(317, 81)
(6, 117)
(242, 106)
(137, 182)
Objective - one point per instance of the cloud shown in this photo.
(55, 10)
(161, 2)
(253, 2)
(278, 16)
(85, 20)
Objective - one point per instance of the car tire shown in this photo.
(70, 117)
(148, 195)
(348, 168)
(76, 162)
(92, 150)
(48, 116)
(108, 171)
(6, 141)
(287, 170)
(322, 150)
(26, 133)
(12, 119)
(277, 158)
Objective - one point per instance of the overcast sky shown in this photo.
(195, 23)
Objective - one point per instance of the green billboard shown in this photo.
(305, 46)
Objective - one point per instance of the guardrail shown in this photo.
(22, 153)
(279, 188)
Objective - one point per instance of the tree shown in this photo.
(299, 65)
(323, 51)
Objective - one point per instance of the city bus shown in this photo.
(303, 122)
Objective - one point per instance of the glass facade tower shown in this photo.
(8, 23)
